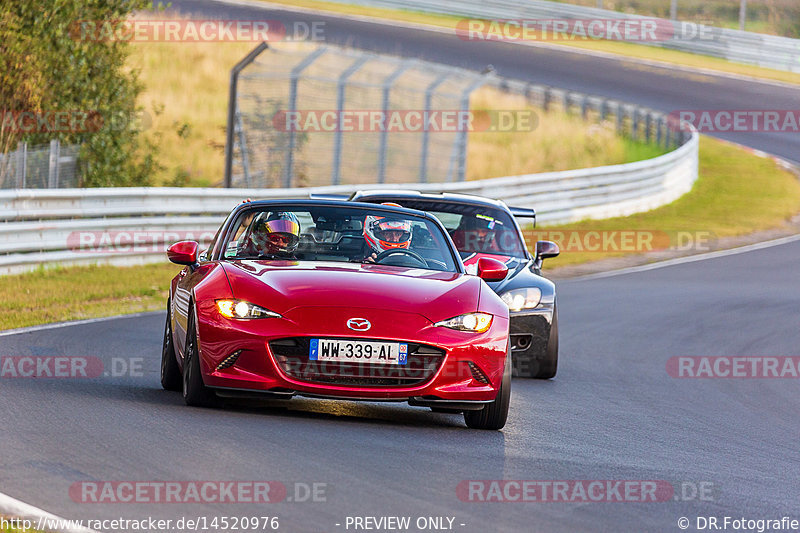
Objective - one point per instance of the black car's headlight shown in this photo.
(476, 322)
(519, 299)
(241, 309)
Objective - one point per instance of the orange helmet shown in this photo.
(384, 234)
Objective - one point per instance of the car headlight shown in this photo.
(476, 322)
(242, 309)
(519, 299)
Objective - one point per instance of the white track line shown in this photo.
(43, 327)
(13, 508)
(688, 259)
(538, 44)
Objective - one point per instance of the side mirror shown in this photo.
(491, 269)
(183, 253)
(545, 250)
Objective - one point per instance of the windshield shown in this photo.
(337, 233)
(474, 228)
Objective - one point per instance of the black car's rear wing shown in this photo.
(524, 212)
(323, 196)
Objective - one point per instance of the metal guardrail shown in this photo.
(134, 225)
(781, 53)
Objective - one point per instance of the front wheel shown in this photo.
(170, 372)
(495, 414)
(195, 392)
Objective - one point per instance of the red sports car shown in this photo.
(340, 300)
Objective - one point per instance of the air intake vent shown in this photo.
(292, 356)
(477, 373)
(230, 360)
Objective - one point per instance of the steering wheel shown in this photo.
(394, 251)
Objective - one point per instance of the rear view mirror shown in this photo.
(183, 253)
(491, 269)
(545, 250)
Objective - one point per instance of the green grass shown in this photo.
(74, 293)
(639, 51)
(737, 193)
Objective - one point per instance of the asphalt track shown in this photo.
(661, 88)
(613, 412)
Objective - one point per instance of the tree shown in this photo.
(49, 68)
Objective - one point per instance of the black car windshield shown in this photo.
(338, 233)
(473, 228)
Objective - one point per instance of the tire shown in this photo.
(195, 392)
(495, 414)
(549, 365)
(170, 371)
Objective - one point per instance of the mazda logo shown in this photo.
(359, 324)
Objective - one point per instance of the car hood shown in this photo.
(282, 286)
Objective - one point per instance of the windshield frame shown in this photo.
(421, 201)
(242, 210)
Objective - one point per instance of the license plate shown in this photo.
(372, 353)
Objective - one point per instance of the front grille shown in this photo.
(291, 355)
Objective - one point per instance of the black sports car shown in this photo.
(483, 227)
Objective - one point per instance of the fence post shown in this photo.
(294, 77)
(659, 132)
(239, 131)
(423, 164)
(337, 140)
(22, 164)
(460, 151)
(620, 118)
(52, 174)
(387, 87)
(232, 96)
(648, 125)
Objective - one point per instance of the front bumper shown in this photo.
(469, 373)
(530, 333)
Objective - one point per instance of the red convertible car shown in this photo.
(341, 300)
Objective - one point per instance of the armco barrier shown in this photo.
(78, 226)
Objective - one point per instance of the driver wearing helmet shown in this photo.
(382, 234)
(477, 234)
(277, 234)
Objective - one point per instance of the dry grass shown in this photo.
(557, 141)
(186, 97)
